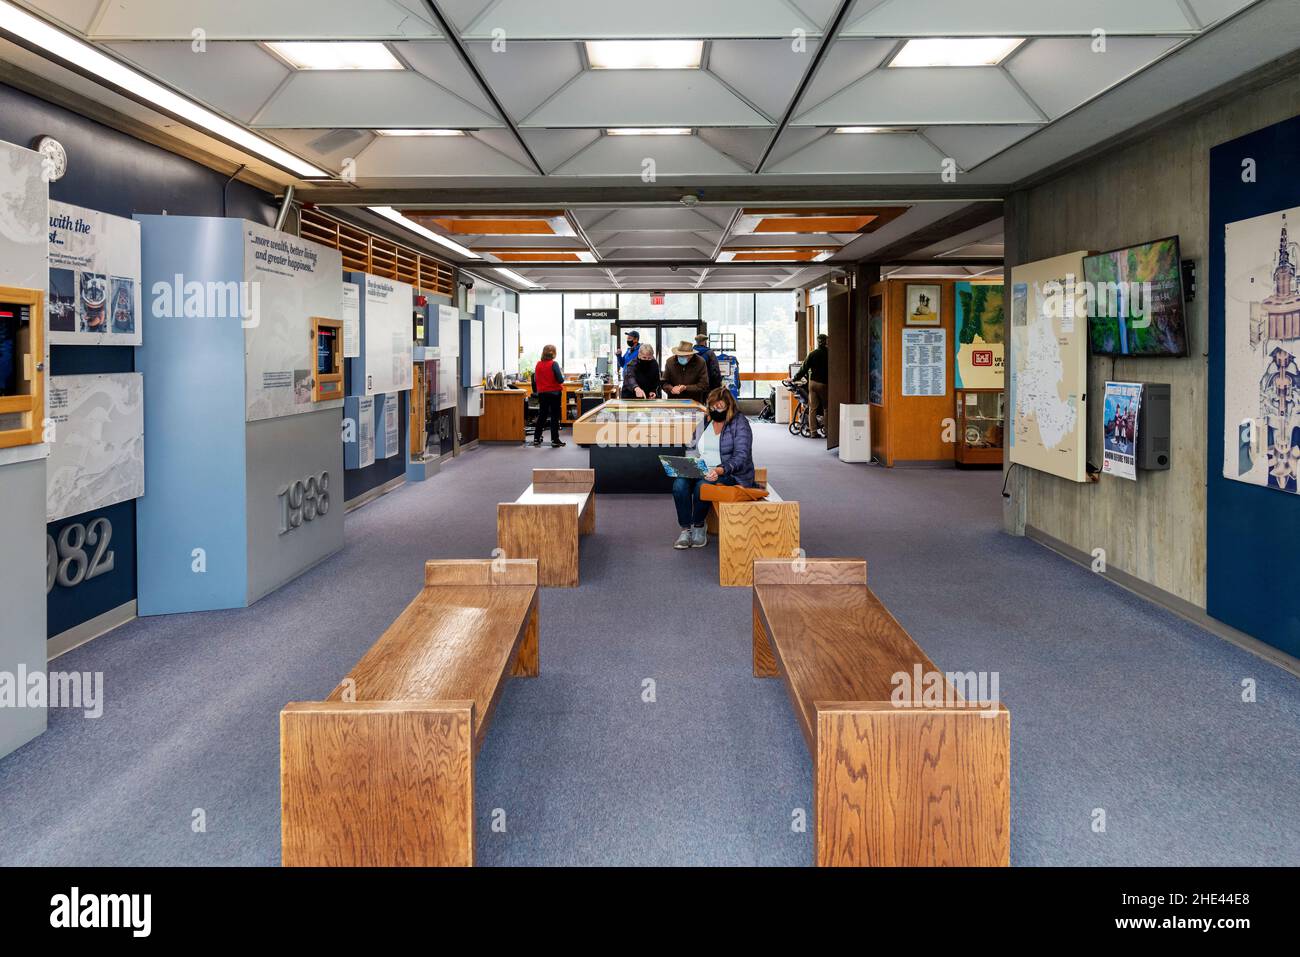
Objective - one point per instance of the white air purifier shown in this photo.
(855, 433)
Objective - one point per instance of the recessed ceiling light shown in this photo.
(645, 54)
(336, 55)
(394, 216)
(89, 60)
(420, 132)
(651, 131)
(959, 51)
(874, 129)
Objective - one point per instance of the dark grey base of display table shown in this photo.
(628, 469)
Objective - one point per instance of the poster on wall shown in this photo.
(365, 432)
(289, 281)
(1261, 377)
(923, 305)
(1119, 428)
(389, 351)
(351, 320)
(95, 295)
(1049, 367)
(979, 335)
(925, 362)
(876, 352)
(97, 455)
(447, 385)
(392, 433)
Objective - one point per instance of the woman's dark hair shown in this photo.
(548, 352)
(722, 394)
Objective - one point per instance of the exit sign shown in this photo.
(657, 299)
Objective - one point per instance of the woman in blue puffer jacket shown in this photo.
(725, 441)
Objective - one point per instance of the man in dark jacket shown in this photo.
(814, 368)
(715, 371)
(686, 375)
(633, 348)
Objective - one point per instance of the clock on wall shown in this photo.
(55, 157)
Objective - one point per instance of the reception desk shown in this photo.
(503, 415)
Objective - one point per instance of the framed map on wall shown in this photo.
(1261, 382)
(1049, 367)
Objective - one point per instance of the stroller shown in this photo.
(799, 424)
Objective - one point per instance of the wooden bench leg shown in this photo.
(548, 533)
(587, 523)
(764, 659)
(711, 523)
(912, 787)
(377, 784)
(750, 530)
(526, 660)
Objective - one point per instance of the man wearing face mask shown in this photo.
(630, 353)
(686, 374)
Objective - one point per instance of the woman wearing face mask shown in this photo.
(725, 441)
(641, 378)
(686, 374)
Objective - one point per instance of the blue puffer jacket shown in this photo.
(736, 447)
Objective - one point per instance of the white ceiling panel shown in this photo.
(972, 145)
(632, 19)
(235, 78)
(439, 62)
(368, 99)
(925, 96)
(745, 146)
(628, 156)
(503, 141)
(633, 98)
(1212, 11)
(1017, 18)
(764, 72)
(422, 156)
(259, 19)
(1061, 73)
(666, 253)
(794, 139)
(657, 218)
(844, 62)
(864, 153)
(76, 14)
(524, 74)
(461, 13)
(325, 148)
(657, 239)
(555, 147)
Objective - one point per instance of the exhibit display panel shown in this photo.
(1253, 424)
(97, 456)
(386, 344)
(287, 284)
(238, 499)
(640, 422)
(95, 295)
(979, 360)
(24, 270)
(1049, 371)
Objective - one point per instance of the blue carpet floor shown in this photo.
(1115, 704)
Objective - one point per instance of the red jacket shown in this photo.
(547, 377)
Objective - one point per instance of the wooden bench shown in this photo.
(546, 521)
(381, 773)
(897, 779)
(768, 528)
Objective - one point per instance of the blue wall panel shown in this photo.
(1252, 565)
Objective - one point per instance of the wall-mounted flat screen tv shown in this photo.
(1136, 307)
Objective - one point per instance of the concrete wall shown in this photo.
(22, 592)
(1154, 529)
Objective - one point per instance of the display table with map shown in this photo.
(625, 437)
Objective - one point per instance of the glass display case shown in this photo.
(640, 422)
(981, 416)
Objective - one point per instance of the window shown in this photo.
(585, 340)
(731, 314)
(636, 307)
(540, 324)
(775, 335)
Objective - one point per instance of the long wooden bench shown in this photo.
(898, 777)
(768, 528)
(381, 773)
(546, 521)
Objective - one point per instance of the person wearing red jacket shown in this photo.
(548, 383)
